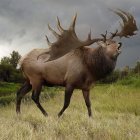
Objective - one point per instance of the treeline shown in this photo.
(10, 73)
(8, 68)
(120, 74)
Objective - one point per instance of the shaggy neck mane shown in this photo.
(98, 63)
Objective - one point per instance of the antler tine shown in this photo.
(113, 34)
(89, 35)
(104, 36)
(128, 15)
(49, 43)
(72, 26)
(122, 15)
(129, 24)
(54, 33)
(130, 18)
(90, 41)
(59, 25)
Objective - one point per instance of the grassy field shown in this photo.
(116, 110)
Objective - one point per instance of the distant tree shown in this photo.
(5, 60)
(125, 71)
(8, 71)
(5, 69)
(15, 56)
(137, 67)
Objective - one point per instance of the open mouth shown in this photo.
(119, 51)
(119, 47)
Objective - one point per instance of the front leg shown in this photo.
(68, 94)
(87, 101)
(35, 96)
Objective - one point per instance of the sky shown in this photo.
(23, 23)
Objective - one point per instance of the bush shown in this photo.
(133, 80)
(8, 88)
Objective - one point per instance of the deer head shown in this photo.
(128, 28)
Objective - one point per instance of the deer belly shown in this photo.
(54, 77)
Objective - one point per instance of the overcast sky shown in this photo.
(23, 23)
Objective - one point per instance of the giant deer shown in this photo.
(69, 62)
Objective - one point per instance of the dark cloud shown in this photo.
(23, 23)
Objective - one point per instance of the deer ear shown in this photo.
(101, 43)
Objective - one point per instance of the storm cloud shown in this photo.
(23, 23)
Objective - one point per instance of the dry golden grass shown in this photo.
(116, 112)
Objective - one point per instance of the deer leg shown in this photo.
(68, 94)
(87, 101)
(35, 97)
(21, 93)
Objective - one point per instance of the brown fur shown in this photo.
(98, 63)
(79, 69)
(70, 64)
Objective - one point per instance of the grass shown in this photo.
(116, 116)
(8, 88)
(8, 93)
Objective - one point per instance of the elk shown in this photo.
(71, 63)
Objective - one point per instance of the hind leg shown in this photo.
(35, 96)
(21, 93)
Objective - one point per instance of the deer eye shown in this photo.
(107, 43)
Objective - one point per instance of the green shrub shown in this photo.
(8, 88)
(133, 80)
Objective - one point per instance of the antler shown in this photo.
(69, 36)
(128, 27)
(104, 36)
(67, 40)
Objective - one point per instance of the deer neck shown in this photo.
(98, 63)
